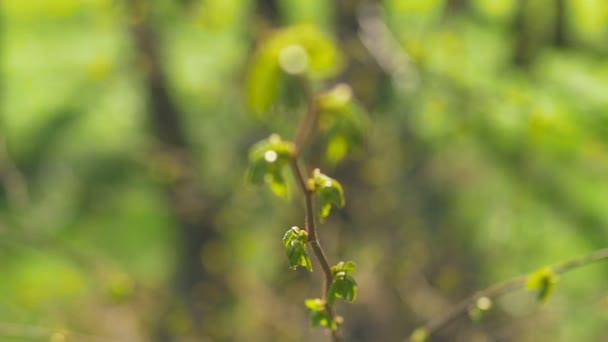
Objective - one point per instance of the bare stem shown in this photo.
(508, 286)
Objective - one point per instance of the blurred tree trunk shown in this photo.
(268, 13)
(362, 73)
(522, 49)
(561, 22)
(199, 292)
(532, 32)
(457, 6)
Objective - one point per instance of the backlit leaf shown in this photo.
(544, 281)
(294, 241)
(330, 192)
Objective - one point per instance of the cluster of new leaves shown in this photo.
(267, 159)
(329, 190)
(320, 314)
(343, 285)
(295, 241)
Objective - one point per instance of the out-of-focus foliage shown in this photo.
(294, 50)
(319, 315)
(483, 158)
(267, 159)
(342, 119)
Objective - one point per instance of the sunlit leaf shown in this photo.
(343, 285)
(330, 192)
(295, 240)
(319, 316)
(544, 281)
(267, 159)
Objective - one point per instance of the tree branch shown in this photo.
(303, 132)
(511, 285)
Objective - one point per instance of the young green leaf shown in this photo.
(544, 281)
(277, 183)
(329, 190)
(348, 267)
(343, 285)
(319, 316)
(266, 161)
(295, 240)
(273, 149)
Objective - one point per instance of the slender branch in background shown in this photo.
(32, 332)
(511, 285)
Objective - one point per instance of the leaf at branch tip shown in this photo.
(267, 159)
(295, 240)
(343, 285)
(319, 316)
(330, 192)
(544, 281)
(419, 335)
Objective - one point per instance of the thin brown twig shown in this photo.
(511, 285)
(310, 224)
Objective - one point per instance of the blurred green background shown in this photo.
(124, 131)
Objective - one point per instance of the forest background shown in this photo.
(124, 135)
